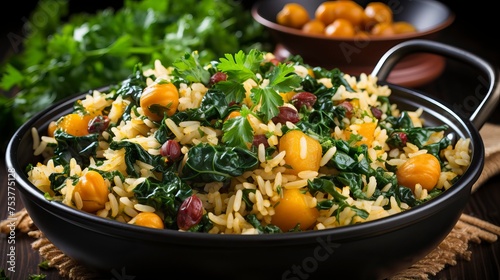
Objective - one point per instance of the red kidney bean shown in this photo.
(286, 114)
(171, 150)
(377, 113)
(218, 77)
(304, 99)
(98, 124)
(260, 139)
(348, 108)
(190, 212)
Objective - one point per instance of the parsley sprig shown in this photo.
(281, 79)
(241, 67)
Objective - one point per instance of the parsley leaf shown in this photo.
(189, 68)
(237, 132)
(281, 79)
(241, 66)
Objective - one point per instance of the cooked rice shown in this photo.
(225, 208)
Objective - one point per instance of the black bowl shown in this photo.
(358, 55)
(371, 250)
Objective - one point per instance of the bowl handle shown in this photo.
(489, 100)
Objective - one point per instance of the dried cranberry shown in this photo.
(260, 139)
(377, 113)
(275, 61)
(286, 114)
(397, 140)
(348, 108)
(218, 77)
(190, 212)
(304, 99)
(404, 137)
(98, 124)
(171, 150)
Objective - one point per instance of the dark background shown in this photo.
(477, 19)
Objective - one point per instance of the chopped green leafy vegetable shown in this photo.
(74, 53)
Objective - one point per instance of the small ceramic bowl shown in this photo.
(359, 54)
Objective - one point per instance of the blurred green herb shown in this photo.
(73, 53)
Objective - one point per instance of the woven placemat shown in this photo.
(453, 248)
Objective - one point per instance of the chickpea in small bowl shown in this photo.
(344, 18)
(353, 35)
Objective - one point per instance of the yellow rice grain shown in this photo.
(394, 206)
(126, 201)
(78, 200)
(288, 178)
(307, 174)
(303, 147)
(261, 184)
(174, 128)
(297, 184)
(130, 211)
(144, 208)
(104, 213)
(311, 201)
(259, 201)
(328, 156)
(114, 205)
(49, 140)
(218, 203)
(248, 185)
(378, 201)
(236, 224)
(121, 192)
(216, 219)
(74, 168)
(261, 152)
(237, 200)
(273, 140)
(277, 181)
(268, 188)
(277, 159)
(133, 183)
(371, 186)
(40, 148)
(229, 221)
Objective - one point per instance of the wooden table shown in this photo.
(484, 204)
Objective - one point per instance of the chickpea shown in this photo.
(148, 219)
(51, 129)
(314, 27)
(329, 11)
(423, 169)
(401, 27)
(293, 15)
(92, 190)
(376, 12)
(75, 124)
(375, 19)
(159, 99)
(382, 29)
(341, 28)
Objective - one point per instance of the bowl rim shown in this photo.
(273, 26)
(349, 232)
